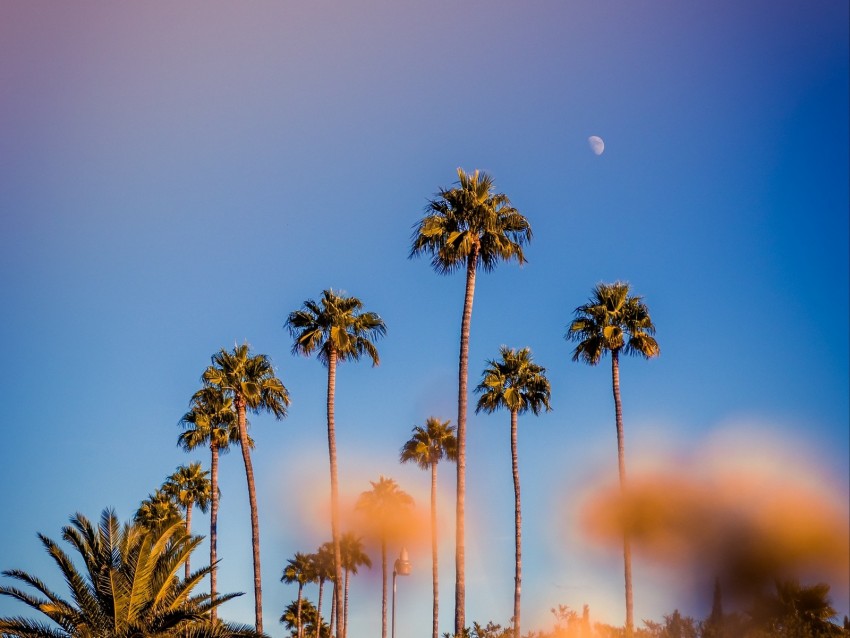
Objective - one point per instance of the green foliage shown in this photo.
(429, 445)
(128, 586)
(211, 420)
(309, 617)
(515, 383)
(248, 379)
(189, 486)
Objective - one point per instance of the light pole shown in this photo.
(401, 567)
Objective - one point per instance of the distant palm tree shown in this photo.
(211, 420)
(323, 568)
(386, 505)
(463, 227)
(427, 447)
(128, 586)
(188, 486)
(158, 510)
(353, 557)
(613, 321)
(252, 385)
(517, 384)
(337, 330)
(309, 620)
(299, 569)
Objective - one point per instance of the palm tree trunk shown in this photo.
(298, 612)
(188, 533)
(384, 590)
(463, 373)
(621, 460)
(345, 607)
(434, 561)
(334, 612)
(517, 524)
(319, 609)
(332, 360)
(213, 526)
(255, 520)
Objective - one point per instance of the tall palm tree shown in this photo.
(427, 447)
(614, 321)
(386, 505)
(516, 384)
(353, 556)
(299, 569)
(189, 486)
(464, 227)
(338, 330)
(211, 420)
(251, 383)
(127, 586)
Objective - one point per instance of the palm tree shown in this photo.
(336, 328)
(353, 556)
(323, 568)
(613, 321)
(463, 227)
(517, 384)
(386, 505)
(188, 486)
(158, 510)
(211, 420)
(299, 569)
(251, 383)
(427, 447)
(128, 586)
(309, 622)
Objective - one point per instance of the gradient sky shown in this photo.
(176, 177)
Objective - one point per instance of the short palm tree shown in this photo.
(516, 384)
(464, 227)
(613, 321)
(337, 330)
(299, 569)
(323, 569)
(386, 505)
(309, 622)
(190, 486)
(353, 557)
(128, 586)
(211, 420)
(427, 447)
(251, 383)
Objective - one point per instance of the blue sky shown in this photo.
(176, 178)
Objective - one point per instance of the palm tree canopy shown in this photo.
(128, 585)
(515, 383)
(470, 217)
(211, 419)
(299, 569)
(335, 323)
(612, 320)
(239, 375)
(157, 510)
(323, 562)
(190, 485)
(353, 556)
(386, 504)
(429, 445)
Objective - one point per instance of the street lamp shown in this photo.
(401, 567)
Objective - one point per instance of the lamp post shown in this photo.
(401, 567)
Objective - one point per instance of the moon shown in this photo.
(596, 144)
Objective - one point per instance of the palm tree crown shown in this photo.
(210, 421)
(335, 324)
(467, 220)
(431, 444)
(190, 486)
(612, 321)
(515, 383)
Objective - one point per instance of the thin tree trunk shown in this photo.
(255, 520)
(334, 611)
(434, 561)
(319, 610)
(298, 612)
(384, 590)
(463, 373)
(213, 527)
(332, 360)
(345, 607)
(188, 533)
(517, 524)
(621, 460)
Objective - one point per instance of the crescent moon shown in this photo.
(597, 145)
